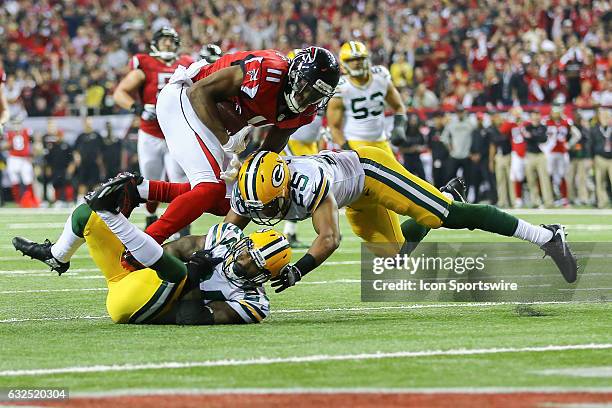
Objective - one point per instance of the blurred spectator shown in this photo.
(413, 146)
(479, 155)
(59, 168)
(88, 158)
(601, 137)
(536, 171)
(457, 136)
(424, 98)
(112, 152)
(439, 152)
(503, 148)
(580, 153)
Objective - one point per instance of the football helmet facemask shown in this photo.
(154, 45)
(263, 182)
(255, 259)
(312, 79)
(355, 59)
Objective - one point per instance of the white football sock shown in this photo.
(142, 246)
(290, 228)
(448, 195)
(143, 189)
(532, 233)
(67, 243)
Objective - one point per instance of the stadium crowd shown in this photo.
(66, 57)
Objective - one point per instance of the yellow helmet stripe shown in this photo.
(251, 176)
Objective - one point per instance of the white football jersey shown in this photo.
(313, 178)
(252, 305)
(364, 106)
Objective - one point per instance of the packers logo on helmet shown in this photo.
(268, 253)
(263, 182)
(355, 59)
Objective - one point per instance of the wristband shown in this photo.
(305, 264)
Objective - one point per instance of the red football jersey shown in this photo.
(516, 132)
(157, 74)
(558, 132)
(262, 86)
(19, 143)
(2, 76)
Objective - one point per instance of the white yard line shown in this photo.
(13, 292)
(594, 372)
(317, 358)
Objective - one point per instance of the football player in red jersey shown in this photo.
(149, 73)
(19, 165)
(559, 131)
(264, 88)
(514, 128)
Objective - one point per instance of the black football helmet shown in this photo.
(159, 34)
(210, 53)
(312, 79)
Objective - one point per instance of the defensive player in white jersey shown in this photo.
(356, 113)
(375, 189)
(220, 284)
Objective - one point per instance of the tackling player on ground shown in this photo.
(149, 74)
(374, 188)
(222, 282)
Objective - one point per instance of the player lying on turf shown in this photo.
(221, 283)
(374, 188)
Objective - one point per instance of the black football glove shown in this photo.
(287, 278)
(202, 262)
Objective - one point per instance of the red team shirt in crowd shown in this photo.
(558, 130)
(19, 142)
(262, 85)
(157, 74)
(516, 133)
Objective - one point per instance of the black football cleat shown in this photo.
(111, 195)
(42, 252)
(295, 243)
(131, 197)
(558, 249)
(457, 188)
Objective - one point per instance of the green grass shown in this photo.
(368, 328)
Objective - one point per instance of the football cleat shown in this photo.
(558, 249)
(457, 188)
(131, 197)
(294, 242)
(111, 195)
(42, 252)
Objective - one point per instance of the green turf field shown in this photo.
(319, 333)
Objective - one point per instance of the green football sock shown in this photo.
(79, 219)
(480, 216)
(170, 268)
